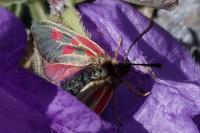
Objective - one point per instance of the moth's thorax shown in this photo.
(109, 67)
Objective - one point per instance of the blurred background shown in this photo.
(182, 22)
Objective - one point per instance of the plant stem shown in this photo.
(72, 19)
(37, 10)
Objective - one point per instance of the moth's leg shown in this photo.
(90, 88)
(158, 4)
(132, 88)
(117, 50)
(116, 112)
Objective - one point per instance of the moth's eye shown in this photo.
(100, 70)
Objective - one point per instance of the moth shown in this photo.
(79, 65)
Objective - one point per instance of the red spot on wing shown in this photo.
(74, 41)
(68, 50)
(56, 35)
(90, 44)
(89, 53)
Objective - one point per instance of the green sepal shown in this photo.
(72, 19)
(37, 10)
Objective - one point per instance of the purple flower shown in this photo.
(11, 42)
(175, 93)
(30, 104)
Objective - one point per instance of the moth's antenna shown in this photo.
(138, 37)
(147, 65)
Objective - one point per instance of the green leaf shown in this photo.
(72, 19)
(15, 8)
(9, 2)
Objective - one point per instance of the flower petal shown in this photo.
(107, 20)
(12, 40)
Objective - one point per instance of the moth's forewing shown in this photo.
(37, 63)
(61, 49)
(58, 44)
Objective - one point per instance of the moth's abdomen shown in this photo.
(75, 83)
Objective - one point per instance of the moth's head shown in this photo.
(115, 69)
(123, 67)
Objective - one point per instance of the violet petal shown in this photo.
(178, 80)
(12, 40)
